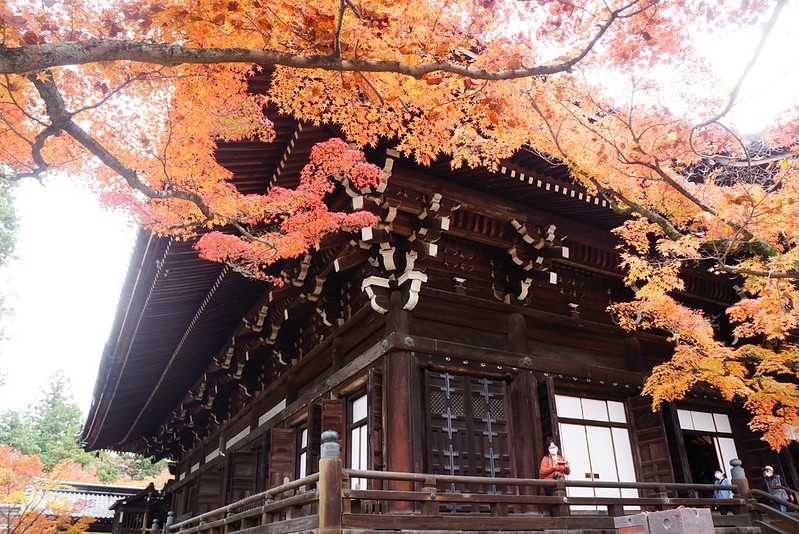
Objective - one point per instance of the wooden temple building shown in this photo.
(450, 341)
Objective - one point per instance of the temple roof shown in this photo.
(177, 311)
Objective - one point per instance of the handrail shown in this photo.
(536, 482)
(425, 501)
(498, 498)
(776, 513)
(277, 490)
(773, 498)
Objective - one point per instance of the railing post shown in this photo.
(330, 484)
(740, 483)
(265, 519)
(560, 491)
(663, 495)
(430, 507)
(170, 520)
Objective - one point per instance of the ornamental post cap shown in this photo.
(329, 436)
(330, 447)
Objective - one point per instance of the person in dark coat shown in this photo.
(772, 484)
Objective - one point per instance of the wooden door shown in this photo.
(241, 475)
(653, 446)
(281, 455)
(467, 426)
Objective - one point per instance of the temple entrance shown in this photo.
(709, 443)
(702, 458)
(467, 426)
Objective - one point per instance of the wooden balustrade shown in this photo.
(287, 508)
(435, 505)
(326, 501)
(132, 530)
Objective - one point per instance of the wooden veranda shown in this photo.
(331, 502)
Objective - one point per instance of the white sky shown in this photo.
(72, 254)
(63, 287)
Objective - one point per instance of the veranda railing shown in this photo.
(331, 502)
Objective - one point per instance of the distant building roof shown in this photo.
(95, 498)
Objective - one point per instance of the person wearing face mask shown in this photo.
(553, 467)
(721, 480)
(772, 484)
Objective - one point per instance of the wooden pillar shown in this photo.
(402, 404)
(403, 413)
(402, 401)
(552, 430)
(262, 467)
(525, 414)
(789, 467)
(227, 475)
(330, 476)
(682, 467)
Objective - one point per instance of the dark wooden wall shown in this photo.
(550, 352)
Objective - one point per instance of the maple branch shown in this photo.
(791, 274)
(651, 215)
(733, 97)
(735, 162)
(611, 195)
(342, 7)
(62, 122)
(27, 59)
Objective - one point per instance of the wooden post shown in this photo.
(615, 510)
(663, 495)
(560, 491)
(430, 507)
(266, 516)
(527, 438)
(740, 483)
(330, 484)
(170, 520)
(402, 406)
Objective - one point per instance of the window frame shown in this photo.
(301, 452)
(594, 422)
(362, 425)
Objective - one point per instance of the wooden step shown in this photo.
(768, 527)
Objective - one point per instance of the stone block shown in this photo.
(631, 524)
(681, 521)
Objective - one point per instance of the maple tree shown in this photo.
(136, 94)
(29, 506)
(48, 429)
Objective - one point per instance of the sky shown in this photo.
(72, 254)
(63, 286)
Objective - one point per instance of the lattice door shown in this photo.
(467, 426)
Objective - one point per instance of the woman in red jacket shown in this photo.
(553, 467)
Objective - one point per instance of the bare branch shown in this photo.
(733, 97)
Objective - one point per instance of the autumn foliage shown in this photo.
(137, 94)
(27, 505)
